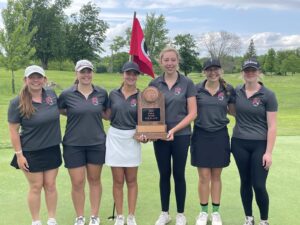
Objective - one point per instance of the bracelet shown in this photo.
(18, 152)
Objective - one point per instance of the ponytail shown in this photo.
(225, 86)
(26, 107)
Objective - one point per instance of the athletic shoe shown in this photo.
(180, 219)
(52, 221)
(202, 218)
(249, 220)
(216, 219)
(163, 219)
(37, 222)
(131, 220)
(263, 222)
(120, 220)
(94, 220)
(79, 220)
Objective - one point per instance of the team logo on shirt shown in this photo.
(177, 91)
(221, 96)
(49, 100)
(256, 102)
(95, 101)
(133, 102)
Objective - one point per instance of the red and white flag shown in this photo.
(138, 49)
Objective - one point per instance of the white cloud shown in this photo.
(264, 41)
(238, 4)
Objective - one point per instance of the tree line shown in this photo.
(39, 31)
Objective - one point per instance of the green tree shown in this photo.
(86, 33)
(118, 43)
(155, 33)
(49, 18)
(251, 52)
(187, 49)
(15, 38)
(269, 65)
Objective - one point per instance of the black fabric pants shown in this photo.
(165, 152)
(248, 156)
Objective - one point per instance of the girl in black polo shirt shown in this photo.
(37, 151)
(210, 149)
(181, 110)
(253, 139)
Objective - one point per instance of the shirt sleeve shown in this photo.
(105, 103)
(232, 95)
(191, 89)
(14, 115)
(272, 104)
(61, 101)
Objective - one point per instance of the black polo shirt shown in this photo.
(251, 113)
(212, 110)
(42, 129)
(84, 120)
(123, 111)
(176, 100)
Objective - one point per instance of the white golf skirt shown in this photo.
(122, 150)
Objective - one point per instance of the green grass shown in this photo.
(283, 185)
(283, 181)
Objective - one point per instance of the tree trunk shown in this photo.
(13, 82)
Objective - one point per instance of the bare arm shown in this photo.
(106, 114)
(231, 109)
(63, 112)
(16, 143)
(271, 138)
(192, 114)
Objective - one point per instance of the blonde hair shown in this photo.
(168, 49)
(25, 105)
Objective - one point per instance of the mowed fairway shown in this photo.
(283, 181)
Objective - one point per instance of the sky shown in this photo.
(270, 23)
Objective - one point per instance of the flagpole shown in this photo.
(130, 56)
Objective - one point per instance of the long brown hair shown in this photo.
(26, 107)
(224, 85)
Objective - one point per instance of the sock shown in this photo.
(204, 207)
(215, 207)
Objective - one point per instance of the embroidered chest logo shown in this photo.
(177, 91)
(256, 102)
(133, 102)
(49, 100)
(95, 101)
(221, 96)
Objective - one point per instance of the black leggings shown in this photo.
(178, 151)
(248, 157)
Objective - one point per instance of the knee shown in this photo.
(118, 183)
(36, 188)
(50, 186)
(204, 178)
(78, 185)
(132, 182)
(259, 188)
(216, 178)
(93, 180)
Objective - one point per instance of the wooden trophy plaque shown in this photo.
(151, 114)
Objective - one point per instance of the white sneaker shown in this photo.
(120, 220)
(131, 220)
(249, 220)
(202, 218)
(94, 220)
(52, 221)
(180, 219)
(265, 222)
(216, 219)
(37, 222)
(163, 219)
(79, 220)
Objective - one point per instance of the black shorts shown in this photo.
(210, 149)
(77, 156)
(41, 160)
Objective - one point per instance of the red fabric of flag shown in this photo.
(138, 49)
